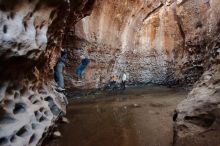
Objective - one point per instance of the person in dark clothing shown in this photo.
(124, 79)
(84, 63)
(58, 70)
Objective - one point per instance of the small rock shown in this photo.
(136, 105)
(65, 120)
(57, 134)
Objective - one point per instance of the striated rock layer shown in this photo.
(131, 36)
(32, 32)
(154, 41)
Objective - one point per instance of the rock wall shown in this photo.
(197, 117)
(131, 36)
(154, 41)
(31, 35)
(172, 42)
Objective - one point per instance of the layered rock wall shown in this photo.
(152, 41)
(131, 36)
(160, 41)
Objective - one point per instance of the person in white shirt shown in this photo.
(124, 79)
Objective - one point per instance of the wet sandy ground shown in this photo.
(135, 117)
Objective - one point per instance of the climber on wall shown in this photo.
(81, 69)
(58, 70)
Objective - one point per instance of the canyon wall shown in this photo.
(31, 35)
(170, 42)
(197, 117)
(131, 36)
(154, 41)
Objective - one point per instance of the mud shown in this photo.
(135, 117)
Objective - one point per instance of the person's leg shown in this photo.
(123, 85)
(114, 85)
(59, 74)
(79, 70)
(82, 69)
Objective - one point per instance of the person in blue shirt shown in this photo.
(81, 69)
(58, 70)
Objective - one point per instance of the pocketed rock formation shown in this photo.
(197, 117)
(31, 33)
(27, 113)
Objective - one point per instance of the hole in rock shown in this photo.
(203, 120)
(3, 141)
(25, 25)
(52, 14)
(41, 109)
(42, 25)
(46, 113)
(5, 28)
(31, 98)
(13, 138)
(19, 46)
(42, 118)
(31, 14)
(37, 115)
(35, 126)
(175, 115)
(198, 24)
(32, 139)
(17, 95)
(48, 98)
(36, 102)
(22, 132)
(19, 108)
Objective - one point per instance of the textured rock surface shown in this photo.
(197, 117)
(163, 42)
(130, 36)
(32, 32)
(154, 41)
(28, 113)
